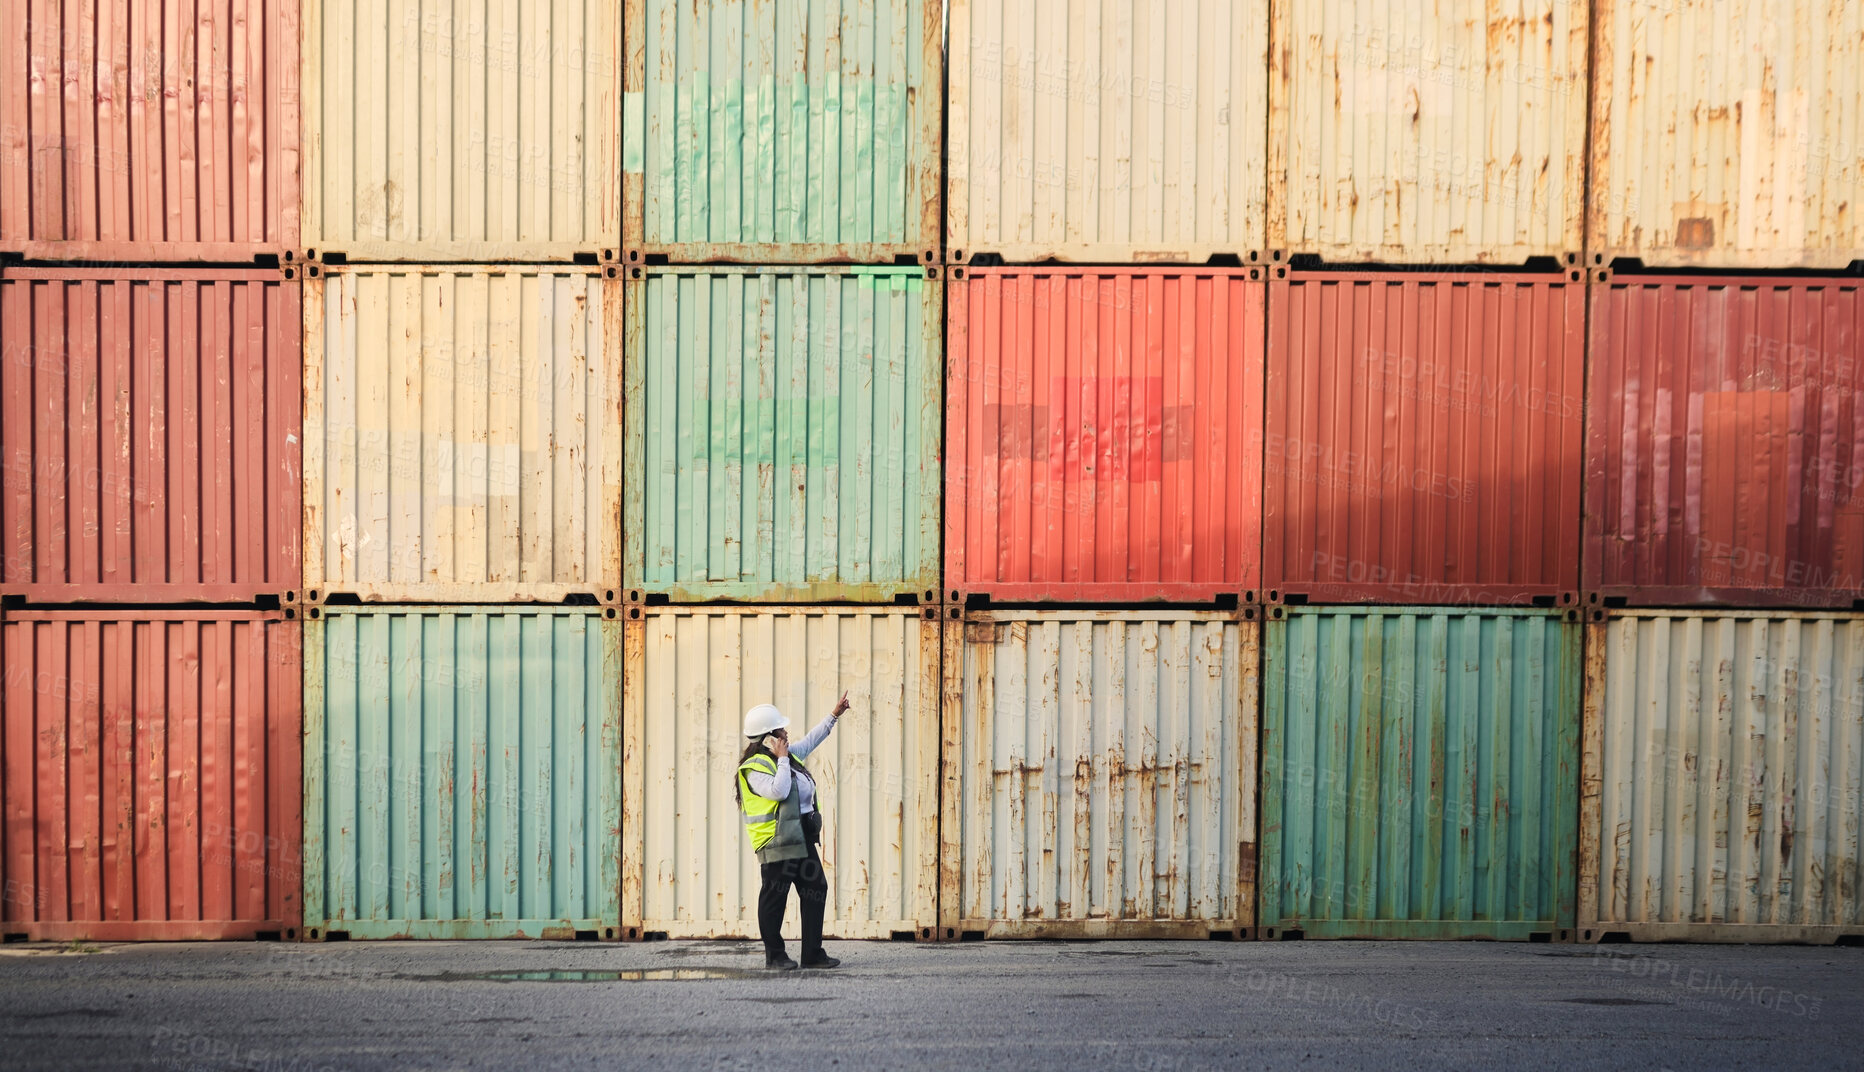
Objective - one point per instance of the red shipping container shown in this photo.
(150, 426)
(1423, 438)
(1103, 434)
(1725, 442)
(138, 131)
(150, 770)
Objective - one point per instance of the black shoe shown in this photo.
(821, 960)
(780, 962)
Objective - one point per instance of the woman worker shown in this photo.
(777, 795)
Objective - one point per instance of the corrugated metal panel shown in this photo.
(464, 431)
(141, 131)
(1728, 134)
(1107, 130)
(1104, 431)
(790, 421)
(1420, 773)
(480, 132)
(1452, 132)
(1424, 442)
(785, 132)
(1725, 447)
(1722, 797)
(150, 775)
(1099, 774)
(462, 773)
(692, 673)
(149, 425)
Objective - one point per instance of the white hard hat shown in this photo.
(762, 719)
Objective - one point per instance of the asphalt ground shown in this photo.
(1101, 1006)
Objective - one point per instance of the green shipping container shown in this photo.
(1420, 773)
(786, 423)
(462, 773)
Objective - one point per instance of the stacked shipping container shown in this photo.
(608, 387)
(1724, 532)
(1422, 479)
(784, 295)
(149, 756)
(462, 494)
(1104, 429)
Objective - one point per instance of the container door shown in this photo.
(1420, 773)
(1099, 775)
(462, 774)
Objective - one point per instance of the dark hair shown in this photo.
(753, 747)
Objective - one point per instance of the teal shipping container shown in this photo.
(786, 424)
(1420, 773)
(783, 131)
(462, 773)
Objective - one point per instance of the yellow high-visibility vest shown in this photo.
(776, 826)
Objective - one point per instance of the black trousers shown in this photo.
(811, 889)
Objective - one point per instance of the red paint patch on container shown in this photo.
(1725, 442)
(1103, 434)
(150, 771)
(136, 131)
(150, 434)
(1423, 438)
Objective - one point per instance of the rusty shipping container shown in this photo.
(464, 434)
(1728, 134)
(692, 672)
(1423, 438)
(1725, 442)
(462, 132)
(138, 131)
(1420, 773)
(1107, 131)
(1100, 774)
(149, 767)
(1103, 434)
(1722, 794)
(1437, 133)
(783, 132)
(149, 431)
(790, 418)
(462, 773)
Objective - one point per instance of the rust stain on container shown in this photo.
(138, 131)
(1103, 431)
(149, 432)
(1725, 445)
(151, 775)
(1423, 438)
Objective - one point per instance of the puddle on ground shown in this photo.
(624, 975)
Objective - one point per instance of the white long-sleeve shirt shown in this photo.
(777, 786)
